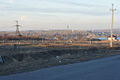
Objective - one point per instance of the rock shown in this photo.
(1, 59)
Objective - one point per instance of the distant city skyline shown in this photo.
(57, 14)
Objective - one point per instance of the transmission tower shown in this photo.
(68, 27)
(112, 20)
(17, 29)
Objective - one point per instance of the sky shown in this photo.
(57, 14)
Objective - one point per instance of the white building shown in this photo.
(114, 38)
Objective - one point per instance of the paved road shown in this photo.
(101, 69)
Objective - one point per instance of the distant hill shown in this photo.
(115, 31)
(94, 33)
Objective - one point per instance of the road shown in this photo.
(101, 69)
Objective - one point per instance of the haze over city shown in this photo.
(57, 14)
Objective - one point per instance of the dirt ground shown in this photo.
(24, 59)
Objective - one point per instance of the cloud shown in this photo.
(55, 6)
(76, 3)
(11, 1)
(56, 10)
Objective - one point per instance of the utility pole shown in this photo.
(17, 29)
(112, 20)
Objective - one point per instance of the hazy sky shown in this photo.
(57, 14)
